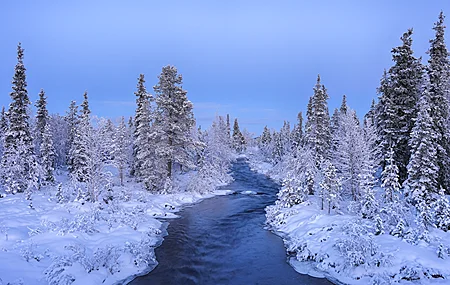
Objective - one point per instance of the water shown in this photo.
(222, 240)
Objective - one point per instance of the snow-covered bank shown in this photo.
(94, 243)
(347, 249)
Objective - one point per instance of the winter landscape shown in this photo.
(149, 187)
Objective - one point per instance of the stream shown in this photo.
(222, 240)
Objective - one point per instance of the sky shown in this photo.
(256, 60)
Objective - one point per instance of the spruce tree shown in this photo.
(120, 148)
(142, 149)
(318, 134)
(41, 118)
(71, 119)
(423, 167)
(389, 179)
(438, 87)
(238, 138)
(297, 133)
(441, 210)
(174, 120)
(19, 163)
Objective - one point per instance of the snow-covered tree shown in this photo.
(19, 163)
(120, 148)
(318, 134)
(330, 187)
(60, 133)
(238, 138)
(349, 155)
(438, 88)
(441, 210)
(80, 153)
(297, 132)
(47, 155)
(174, 121)
(423, 167)
(389, 178)
(71, 119)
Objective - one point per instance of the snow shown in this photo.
(249, 192)
(344, 248)
(94, 243)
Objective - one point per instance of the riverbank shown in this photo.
(48, 242)
(347, 249)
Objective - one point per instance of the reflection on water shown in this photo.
(222, 240)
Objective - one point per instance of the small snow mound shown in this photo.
(248, 192)
(223, 192)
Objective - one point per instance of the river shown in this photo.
(222, 240)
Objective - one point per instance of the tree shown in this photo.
(330, 187)
(297, 133)
(41, 119)
(423, 167)
(405, 88)
(80, 152)
(120, 148)
(441, 210)
(19, 163)
(438, 88)
(71, 119)
(318, 134)
(389, 179)
(174, 120)
(238, 138)
(44, 139)
(3, 128)
(47, 155)
(142, 149)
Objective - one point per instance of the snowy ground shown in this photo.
(345, 248)
(94, 243)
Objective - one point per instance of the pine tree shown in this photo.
(297, 133)
(318, 134)
(142, 149)
(441, 210)
(71, 119)
(343, 109)
(405, 88)
(228, 126)
(174, 121)
(3, 129)
(47, 154)
(423, 167)
(41, 119)
(389, 179)
(330, 187)
(120, 149)
(44, 139)
(80, 152)
(19, 163)
(238, 138)
(438, 87)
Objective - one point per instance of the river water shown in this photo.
(222, 240)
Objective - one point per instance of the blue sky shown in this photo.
(257, 60)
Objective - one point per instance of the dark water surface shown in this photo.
(222, 240)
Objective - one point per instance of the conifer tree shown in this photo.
(441, 210)
(47, 155)
(141, 146)
(3, 129)
(438, 87)
(19, 163)
(297, 133)
(80, 152)
(318, 126)
(41, 119)
(238, 138)
(389, 179)
(120, 149)
(71, 119)
(331, 187)
(423, 167)
(174, 121)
